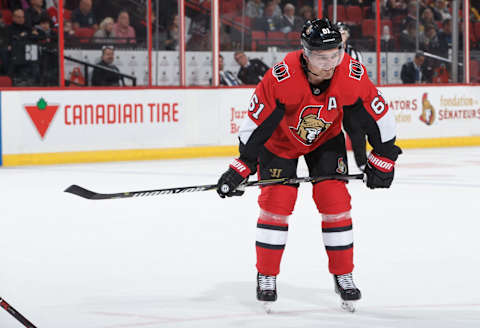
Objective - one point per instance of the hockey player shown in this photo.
(297, 110)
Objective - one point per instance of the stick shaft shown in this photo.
(17, 315)
(88, 194)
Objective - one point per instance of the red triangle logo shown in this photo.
(41, 116)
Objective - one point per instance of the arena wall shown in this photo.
(72, 126)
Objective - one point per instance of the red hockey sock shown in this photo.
(338, 240)
(276, 204)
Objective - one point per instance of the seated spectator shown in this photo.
(68, 32)
(102, 77)
(171, 40)
(254, 8)
(440, 10)
(105, 33)
(427, 18)
(277, 10)
(395, 8)
(226, 77)
(83, 16)
(430, 38)
(407, 39)
(413, 72)
(306, 13)
(288, 22)
(122, 28)
(34, 13)
(445, 37)
(411, 14)
(267, 21)
(23, 67)
(48, 61)
(251, 71)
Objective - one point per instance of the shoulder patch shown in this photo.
(280, 71)
(356, 70)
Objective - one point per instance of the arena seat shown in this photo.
(5, 81)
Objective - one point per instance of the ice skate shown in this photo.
(349, 293)
(266, 290)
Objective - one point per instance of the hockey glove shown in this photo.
(229, 183)
(380, 170)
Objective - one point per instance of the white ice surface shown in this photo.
(188, 260)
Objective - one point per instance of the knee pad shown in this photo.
(278, 199)
(331, 197)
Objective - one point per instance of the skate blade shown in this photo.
(348, 306)
(267, 306)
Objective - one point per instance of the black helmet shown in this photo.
(341, 26)
(320, 34)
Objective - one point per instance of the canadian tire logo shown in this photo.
(41, 115)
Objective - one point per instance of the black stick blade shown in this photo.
(82, 192)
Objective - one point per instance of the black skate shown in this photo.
(347, 290)
(266, 290)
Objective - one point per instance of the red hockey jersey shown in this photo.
(312, 117)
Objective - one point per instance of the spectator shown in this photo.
(288, 22)
(199, 33)
(411, 13)
(440, 10)
(105, 33)
(23, 68)
(445, 37)
(48, 61)
(254, 8)
(412, 72)
(395, 8)
(432, 44)
(226, 77)
(427, 18)
(122, 28)
(34, 13)
(251, 71)
(408, 38)
(68, 32)
(306, 13)
(277, 11)
(3, 47)
(102, 77)
(171, 40)
(83, 16)
(267, 22)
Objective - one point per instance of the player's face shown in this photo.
(325, 59)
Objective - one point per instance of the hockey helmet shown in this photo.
(320, 34)
(341, 26)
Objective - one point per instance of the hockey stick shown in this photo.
(85, 193)
(16, 314)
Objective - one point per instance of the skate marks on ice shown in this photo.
(233, 304)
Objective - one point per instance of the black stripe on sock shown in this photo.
(269, 246)
(338, 248)
(338, 229)
(272, 227)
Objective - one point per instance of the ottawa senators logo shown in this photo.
(280, 72)
(310, 125)
(428, 112)
(341, 166)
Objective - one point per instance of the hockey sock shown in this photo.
(276, 205)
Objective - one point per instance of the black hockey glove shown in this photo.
(380, 170)
(229, 183)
